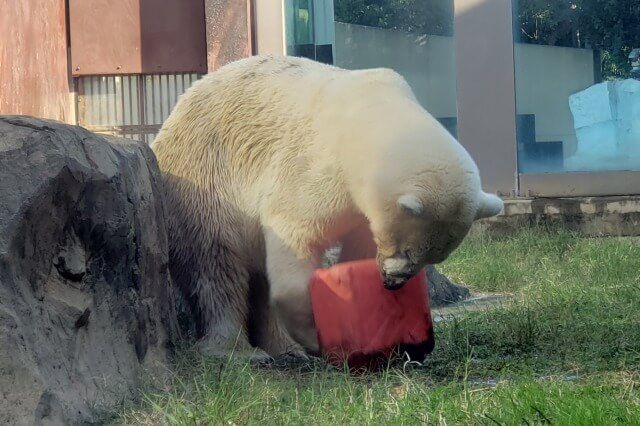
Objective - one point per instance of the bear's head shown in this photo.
(418, 232)
(423, 197)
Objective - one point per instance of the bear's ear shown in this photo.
(490, 205)
(412, 204)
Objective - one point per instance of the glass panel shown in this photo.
(412, 37)
(577, 96)
(299, 22)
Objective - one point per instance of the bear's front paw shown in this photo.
(262, 359)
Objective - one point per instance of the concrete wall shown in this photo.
(588, 216)
(545, 75)
(545, 78)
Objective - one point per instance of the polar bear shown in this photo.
(270, 160)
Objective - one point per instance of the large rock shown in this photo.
(86, 303)
(442, 291)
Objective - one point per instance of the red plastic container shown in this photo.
(362, 323)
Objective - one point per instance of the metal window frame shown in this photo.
(485, 79)
(579, 184)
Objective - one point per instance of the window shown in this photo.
(577, 96)
(310, 29)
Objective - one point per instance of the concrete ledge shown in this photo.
(592, 216)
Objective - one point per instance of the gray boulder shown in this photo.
(86, 302)
(442, 291)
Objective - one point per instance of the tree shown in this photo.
(611, 26)
(433, 17)
(545, 22)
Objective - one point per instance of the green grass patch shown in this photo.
(565, 350)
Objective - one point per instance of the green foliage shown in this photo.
(433, 17)
(546, 22)
(612, 26)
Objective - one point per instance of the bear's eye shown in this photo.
(412, 256)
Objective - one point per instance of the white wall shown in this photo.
(545, 75)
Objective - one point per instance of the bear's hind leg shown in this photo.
(222, 307)
(265, 328)
(290, 298)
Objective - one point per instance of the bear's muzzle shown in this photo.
(396, 271)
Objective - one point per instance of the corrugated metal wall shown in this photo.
(133, 106)
(132, 59)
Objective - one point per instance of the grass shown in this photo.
(565, 350)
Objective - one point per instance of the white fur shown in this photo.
(270, 160)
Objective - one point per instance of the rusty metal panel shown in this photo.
(228, 31)
(34, 73)
(580, 184)
(137, 36)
